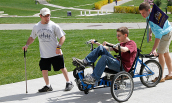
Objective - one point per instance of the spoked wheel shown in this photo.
(153, 73)
(122, 86)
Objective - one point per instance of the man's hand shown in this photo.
(93, 41)
(104, 43)
(58, 51)
(25, 47)
(154, 53)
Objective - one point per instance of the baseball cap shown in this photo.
(45, 11)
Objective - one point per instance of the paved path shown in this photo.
(110, 7)
(61, 7)
(15, 92)
(106, 8)
(78, 26)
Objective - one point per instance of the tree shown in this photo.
(149, 1)
(169, 2)
(158, 2)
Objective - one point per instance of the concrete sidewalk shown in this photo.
(16, 92)
(110, 7)
(76, 26)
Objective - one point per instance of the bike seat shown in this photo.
(107, 70)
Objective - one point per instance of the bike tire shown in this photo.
(122, 86)
(154, 72)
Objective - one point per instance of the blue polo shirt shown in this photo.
(158, 31)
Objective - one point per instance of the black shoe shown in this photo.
(46, 89)
(79, 62)
(69, 86)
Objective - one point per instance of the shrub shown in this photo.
(111, 1)
(169, 3)
(136, 8)
(169, 8)
(158, 2)
(99, 4)
(126, 9)
(48, 0)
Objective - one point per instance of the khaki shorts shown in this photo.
(164, 44)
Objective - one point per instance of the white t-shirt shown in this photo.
(47, 36)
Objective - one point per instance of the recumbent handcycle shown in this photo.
(121, 83)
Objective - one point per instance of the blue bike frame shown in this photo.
(107, 83)
(146, 68)
(102, 82)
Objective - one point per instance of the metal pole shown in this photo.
(25, 69)
(144, 35)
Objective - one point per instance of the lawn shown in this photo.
(12, 58)
(29, 8)
(11, 41)
(20, 7)
(83, 4)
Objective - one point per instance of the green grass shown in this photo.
(137, 3)
(20, 7)
(12, 56)
(11, 41)
(112, 18)
(73, 3)
(29, 8)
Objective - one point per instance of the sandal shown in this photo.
(162, 80)
(168, 77)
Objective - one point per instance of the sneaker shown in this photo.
(89, 80)
(96, 83)
(79, 61)
(69, 86)
(46, 89)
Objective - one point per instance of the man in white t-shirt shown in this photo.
(50, 49)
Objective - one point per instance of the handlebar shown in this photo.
(149, 56)
(89, 42)
(109, 45)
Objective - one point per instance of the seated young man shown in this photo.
(128, 54)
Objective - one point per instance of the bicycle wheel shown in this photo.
(152, 72)
(122, 86)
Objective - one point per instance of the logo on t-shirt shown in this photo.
(44, 35)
